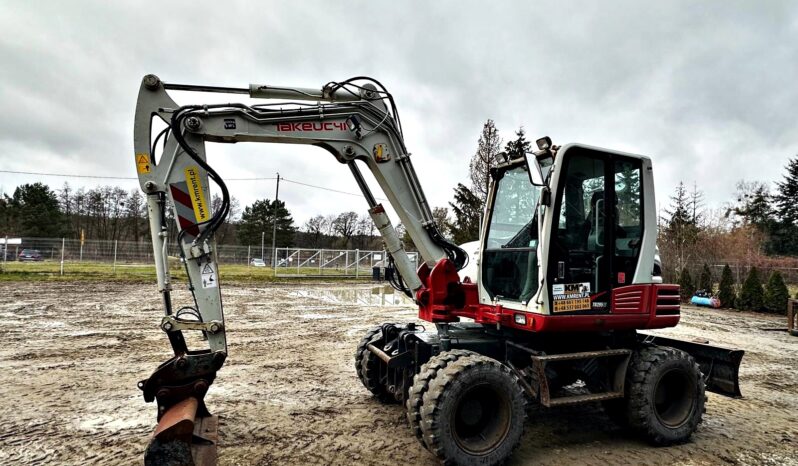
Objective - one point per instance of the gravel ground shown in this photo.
(288, 393)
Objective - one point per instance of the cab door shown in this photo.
(596, 231)
(580, 247)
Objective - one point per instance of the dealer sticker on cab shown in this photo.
(571, 296)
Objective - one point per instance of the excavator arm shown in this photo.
(355, 120)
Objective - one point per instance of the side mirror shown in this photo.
(533, 168)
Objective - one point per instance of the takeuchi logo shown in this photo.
(313, 126)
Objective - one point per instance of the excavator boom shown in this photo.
(355, 120)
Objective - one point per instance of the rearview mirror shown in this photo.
(533, 168)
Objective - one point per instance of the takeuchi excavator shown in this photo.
(566, 280)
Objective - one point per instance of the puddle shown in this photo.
(374, 296)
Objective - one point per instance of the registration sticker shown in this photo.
(571, 296)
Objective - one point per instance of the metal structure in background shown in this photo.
(69, 256)
(303, 262)
(791, 305)
(140, 253)
(274, 222)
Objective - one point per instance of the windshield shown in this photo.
(509, 261)
(512, 222)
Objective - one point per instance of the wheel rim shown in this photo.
(481, 419)
(674, 398)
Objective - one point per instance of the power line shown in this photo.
(69, 176)
(100, 177)
(326, 189)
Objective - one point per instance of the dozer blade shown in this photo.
(720, 366)
(182, 439)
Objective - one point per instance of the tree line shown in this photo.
(757, 228)
(111, 213)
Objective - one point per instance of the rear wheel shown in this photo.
(368, 365)
(666, 396)
(473, 412)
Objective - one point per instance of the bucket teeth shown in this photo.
(183, 439)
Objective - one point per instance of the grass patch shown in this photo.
(140, 273)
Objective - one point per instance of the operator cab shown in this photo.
(591, 203)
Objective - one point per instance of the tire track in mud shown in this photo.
(288, 393)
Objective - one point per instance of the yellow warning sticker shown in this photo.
(197, 197)
(566, 305)
(143, 163)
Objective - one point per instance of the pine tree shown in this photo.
(786, 197)
(785, 229)
(726, 289)
(518, 146)
(776, 294)
(35, 208)
(686, 286)
(705, 280)
(257, 224)
(467, 209)
(751, 296)
(754, 205)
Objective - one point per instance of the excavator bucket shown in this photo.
(183, 439)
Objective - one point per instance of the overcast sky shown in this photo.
(708, 91)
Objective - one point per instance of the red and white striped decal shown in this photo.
(183, 208)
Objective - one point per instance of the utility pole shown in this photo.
(274, 228)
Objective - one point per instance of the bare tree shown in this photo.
(317, 227)
(345, 224)
(225, 233)
(696, 203)
(329, 222)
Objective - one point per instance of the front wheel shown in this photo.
(666, 395)
(473, 412)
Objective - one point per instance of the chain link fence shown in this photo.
(301, 262)
(99, 257)
(786, 266)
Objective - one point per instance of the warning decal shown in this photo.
(209, 276)
(142, 163)
(183, 208)
(571, 296)
(197, 197)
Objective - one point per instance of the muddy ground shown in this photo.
(73, 352)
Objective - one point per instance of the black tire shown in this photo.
(421, 381)
(666, 395)
(361, 349)
(473, 412)
(367, 366)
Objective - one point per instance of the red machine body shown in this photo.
(444, 298)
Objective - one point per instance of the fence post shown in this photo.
(63, 243)
(115, 244)
(321, 259)
(357, 263)
(5, 250)
(249, 254)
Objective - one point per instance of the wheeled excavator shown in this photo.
(566, 279)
